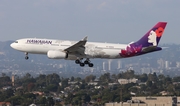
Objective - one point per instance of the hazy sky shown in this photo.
(118, 21)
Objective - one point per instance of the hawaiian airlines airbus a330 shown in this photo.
(79, 50)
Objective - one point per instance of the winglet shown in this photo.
(85, 38)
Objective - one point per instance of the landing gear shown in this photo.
(91, 64)
(26, 57)
(86, 62)
(82, 64)
(77, 61)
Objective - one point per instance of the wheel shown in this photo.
(91, 64)
(82, 64)
(86, 62)
(26, 57)
(77, 61)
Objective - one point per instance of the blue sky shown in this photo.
(116, 21)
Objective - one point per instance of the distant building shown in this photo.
(126, 81)
(104, 65)
(6, 87)
(161, 63)
(149, 101)
(167, 64)
(166, 100)
(164, 93)
(12, 80)
(32, 105)
(178, 64)
(109, 64)
(92, 83)
(5, 104)
(119, 64)
(38, 92)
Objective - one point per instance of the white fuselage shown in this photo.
(92, 49)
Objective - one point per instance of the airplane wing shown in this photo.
(78, 48)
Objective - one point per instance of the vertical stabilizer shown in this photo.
(148, 43)
(153, 36)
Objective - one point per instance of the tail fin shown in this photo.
(153, 36)
(148, 43)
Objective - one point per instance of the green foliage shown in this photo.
(64, 83)
(176, 79)
(52, 87)
(81, 93)
(5, 81)
(90, 78)
(105, 77)
(143, 77)
(16, 100)
(42, 100)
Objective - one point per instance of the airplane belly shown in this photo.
(104, 53)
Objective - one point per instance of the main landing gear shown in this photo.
(82, 64)
(26, 57)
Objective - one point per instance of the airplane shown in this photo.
(79, 50)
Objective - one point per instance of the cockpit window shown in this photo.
(16, 42)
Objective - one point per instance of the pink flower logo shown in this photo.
(131, 51)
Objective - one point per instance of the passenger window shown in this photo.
(16, 42)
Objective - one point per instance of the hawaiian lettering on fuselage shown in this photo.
(34, 41)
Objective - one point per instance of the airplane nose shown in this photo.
(12, 45)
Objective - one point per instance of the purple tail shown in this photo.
(153, 36)
(148, 43)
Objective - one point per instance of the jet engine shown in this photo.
(56, 54)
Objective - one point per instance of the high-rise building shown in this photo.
(109, 64)
(161, 63)
(104, 65)
(12, 80)
(119, 64)
(166, 64)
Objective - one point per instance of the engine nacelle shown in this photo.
(55, 54)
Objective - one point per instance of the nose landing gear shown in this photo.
(26, 57)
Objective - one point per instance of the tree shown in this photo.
(3, 74)
(114, 77)
(153, 77)
(50, 101)
(119, 75)
(5, 81)
(176, 79)
(27, 75)
(105, 77)
(143, 77)
(78, 79)
(149, 84)
(72, 78)
(64, 83)
(41, 81)
(42, 100)
(128, 74)
(30, 86)
(52, 87)
(90, 78)
(52, 79)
